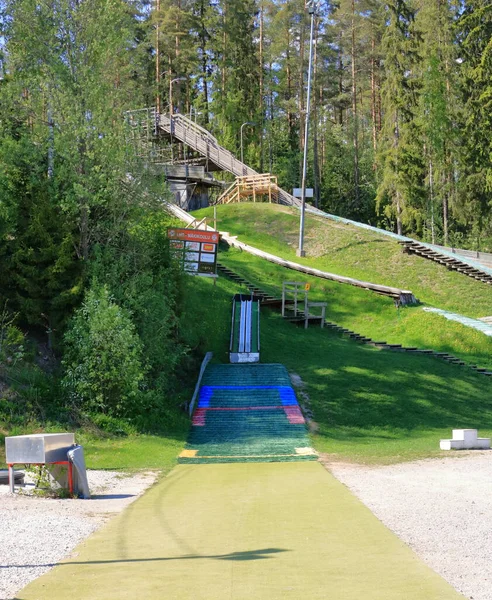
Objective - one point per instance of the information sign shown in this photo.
(195, 249)
(298, 192)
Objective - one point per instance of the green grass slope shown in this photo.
(356, 253)
(353, 252)
(370, 405)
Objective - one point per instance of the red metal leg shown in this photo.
(70, 478)
(11, 478)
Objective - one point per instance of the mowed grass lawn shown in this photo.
(370, 405)
(272, 228)
(353, 252)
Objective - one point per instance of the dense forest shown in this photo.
(400, 117)
(401, 136)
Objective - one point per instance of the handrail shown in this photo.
(208, 357)
(226, 193)
(402, 296)
(192, 125)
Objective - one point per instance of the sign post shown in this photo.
(195, 249)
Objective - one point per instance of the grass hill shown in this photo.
(353, 252)
(369, 405)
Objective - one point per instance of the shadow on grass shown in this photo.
(357, 391)
(262, 554)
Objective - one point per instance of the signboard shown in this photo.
(195, 249)
(297, 193)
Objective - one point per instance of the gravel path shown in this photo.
(36, 533)
(442, 508)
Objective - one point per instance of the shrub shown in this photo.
(103, 357)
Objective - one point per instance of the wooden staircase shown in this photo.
(202, 141)
(452, 263)
(257, 187)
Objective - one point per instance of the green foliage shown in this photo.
(138, 269)
(475, 31)
(12, 340)
(103, 357)
(113, 425)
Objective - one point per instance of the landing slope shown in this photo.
(347, 250)
(353, 252)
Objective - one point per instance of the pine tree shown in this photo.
(475, 31)
(400, 189)
(437, 106)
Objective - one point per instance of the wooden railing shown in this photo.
(251, 185)
(202, 141)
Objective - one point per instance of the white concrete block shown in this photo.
(452, 444)
(467, 435)
(465, 439)
(483, 443)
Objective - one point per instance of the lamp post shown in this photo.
(171, 111)
(300, 251)
(194, 110)
(252, 123)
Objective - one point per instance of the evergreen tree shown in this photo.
(437, 106)
(400, 190)
(475, 31)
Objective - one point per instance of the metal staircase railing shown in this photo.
(193, 135)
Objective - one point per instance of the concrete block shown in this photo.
(465, 439)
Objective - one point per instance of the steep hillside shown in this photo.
(346, 250)
(353, 252)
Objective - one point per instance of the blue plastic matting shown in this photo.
(286, 393)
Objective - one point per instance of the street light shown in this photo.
(194, 110)
(171, 92)
(253, 124)
(300, 251)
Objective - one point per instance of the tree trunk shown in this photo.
(203, 50)
(431, 190)
(340, 78)
(290, 118)
(399, 229)
(224, 51)
(355, 112)
(157, 57)
(301, 109)
(373, 101)
(316, 170)
(260, 108)
(445, 218)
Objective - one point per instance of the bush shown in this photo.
(103, 357)
(11, 339)
(113, 425)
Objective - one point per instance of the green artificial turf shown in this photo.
(241, 417)
(369, 405)
(237, 532)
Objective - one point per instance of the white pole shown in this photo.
(301, 251)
